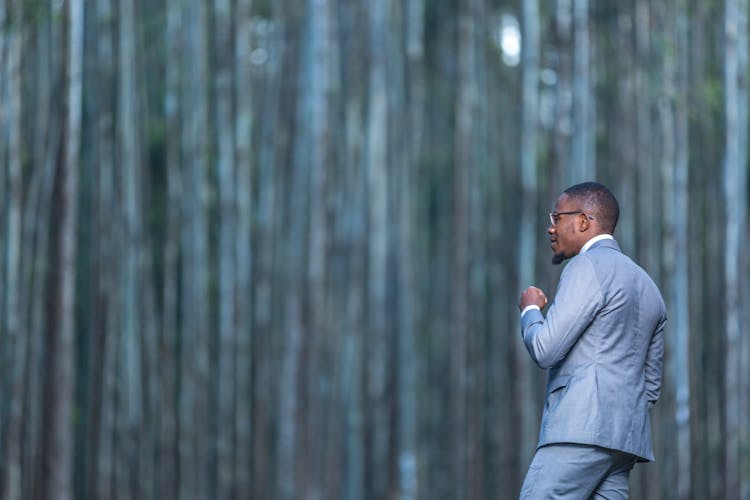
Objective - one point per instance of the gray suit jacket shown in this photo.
(602, 341)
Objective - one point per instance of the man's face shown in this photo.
(564, 234)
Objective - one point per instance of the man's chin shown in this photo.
(558, 258)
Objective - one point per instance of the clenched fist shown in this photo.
(532, 296)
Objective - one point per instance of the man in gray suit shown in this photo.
(601, 340)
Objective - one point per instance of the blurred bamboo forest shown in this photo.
(273, 249)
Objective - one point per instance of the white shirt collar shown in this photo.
(593, 240)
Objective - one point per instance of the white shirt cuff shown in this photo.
(529, 308)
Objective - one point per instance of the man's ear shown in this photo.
(583, 223)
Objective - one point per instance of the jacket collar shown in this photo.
(603, 240)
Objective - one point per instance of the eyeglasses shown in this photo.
(554, 216)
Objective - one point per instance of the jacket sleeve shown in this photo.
(577, 301)
(654, 363)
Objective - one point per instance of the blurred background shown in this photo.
(272, 249)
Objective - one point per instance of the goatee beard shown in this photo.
(558, 258)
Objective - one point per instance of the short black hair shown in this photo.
(599, 200)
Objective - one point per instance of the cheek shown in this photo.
(566, 235)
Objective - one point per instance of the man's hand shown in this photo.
(532, 296)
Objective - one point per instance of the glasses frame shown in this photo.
(555, 215)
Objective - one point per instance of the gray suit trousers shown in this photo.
(577, 472)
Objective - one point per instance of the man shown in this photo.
(602, 341)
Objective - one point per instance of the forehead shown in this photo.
(565, 203)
